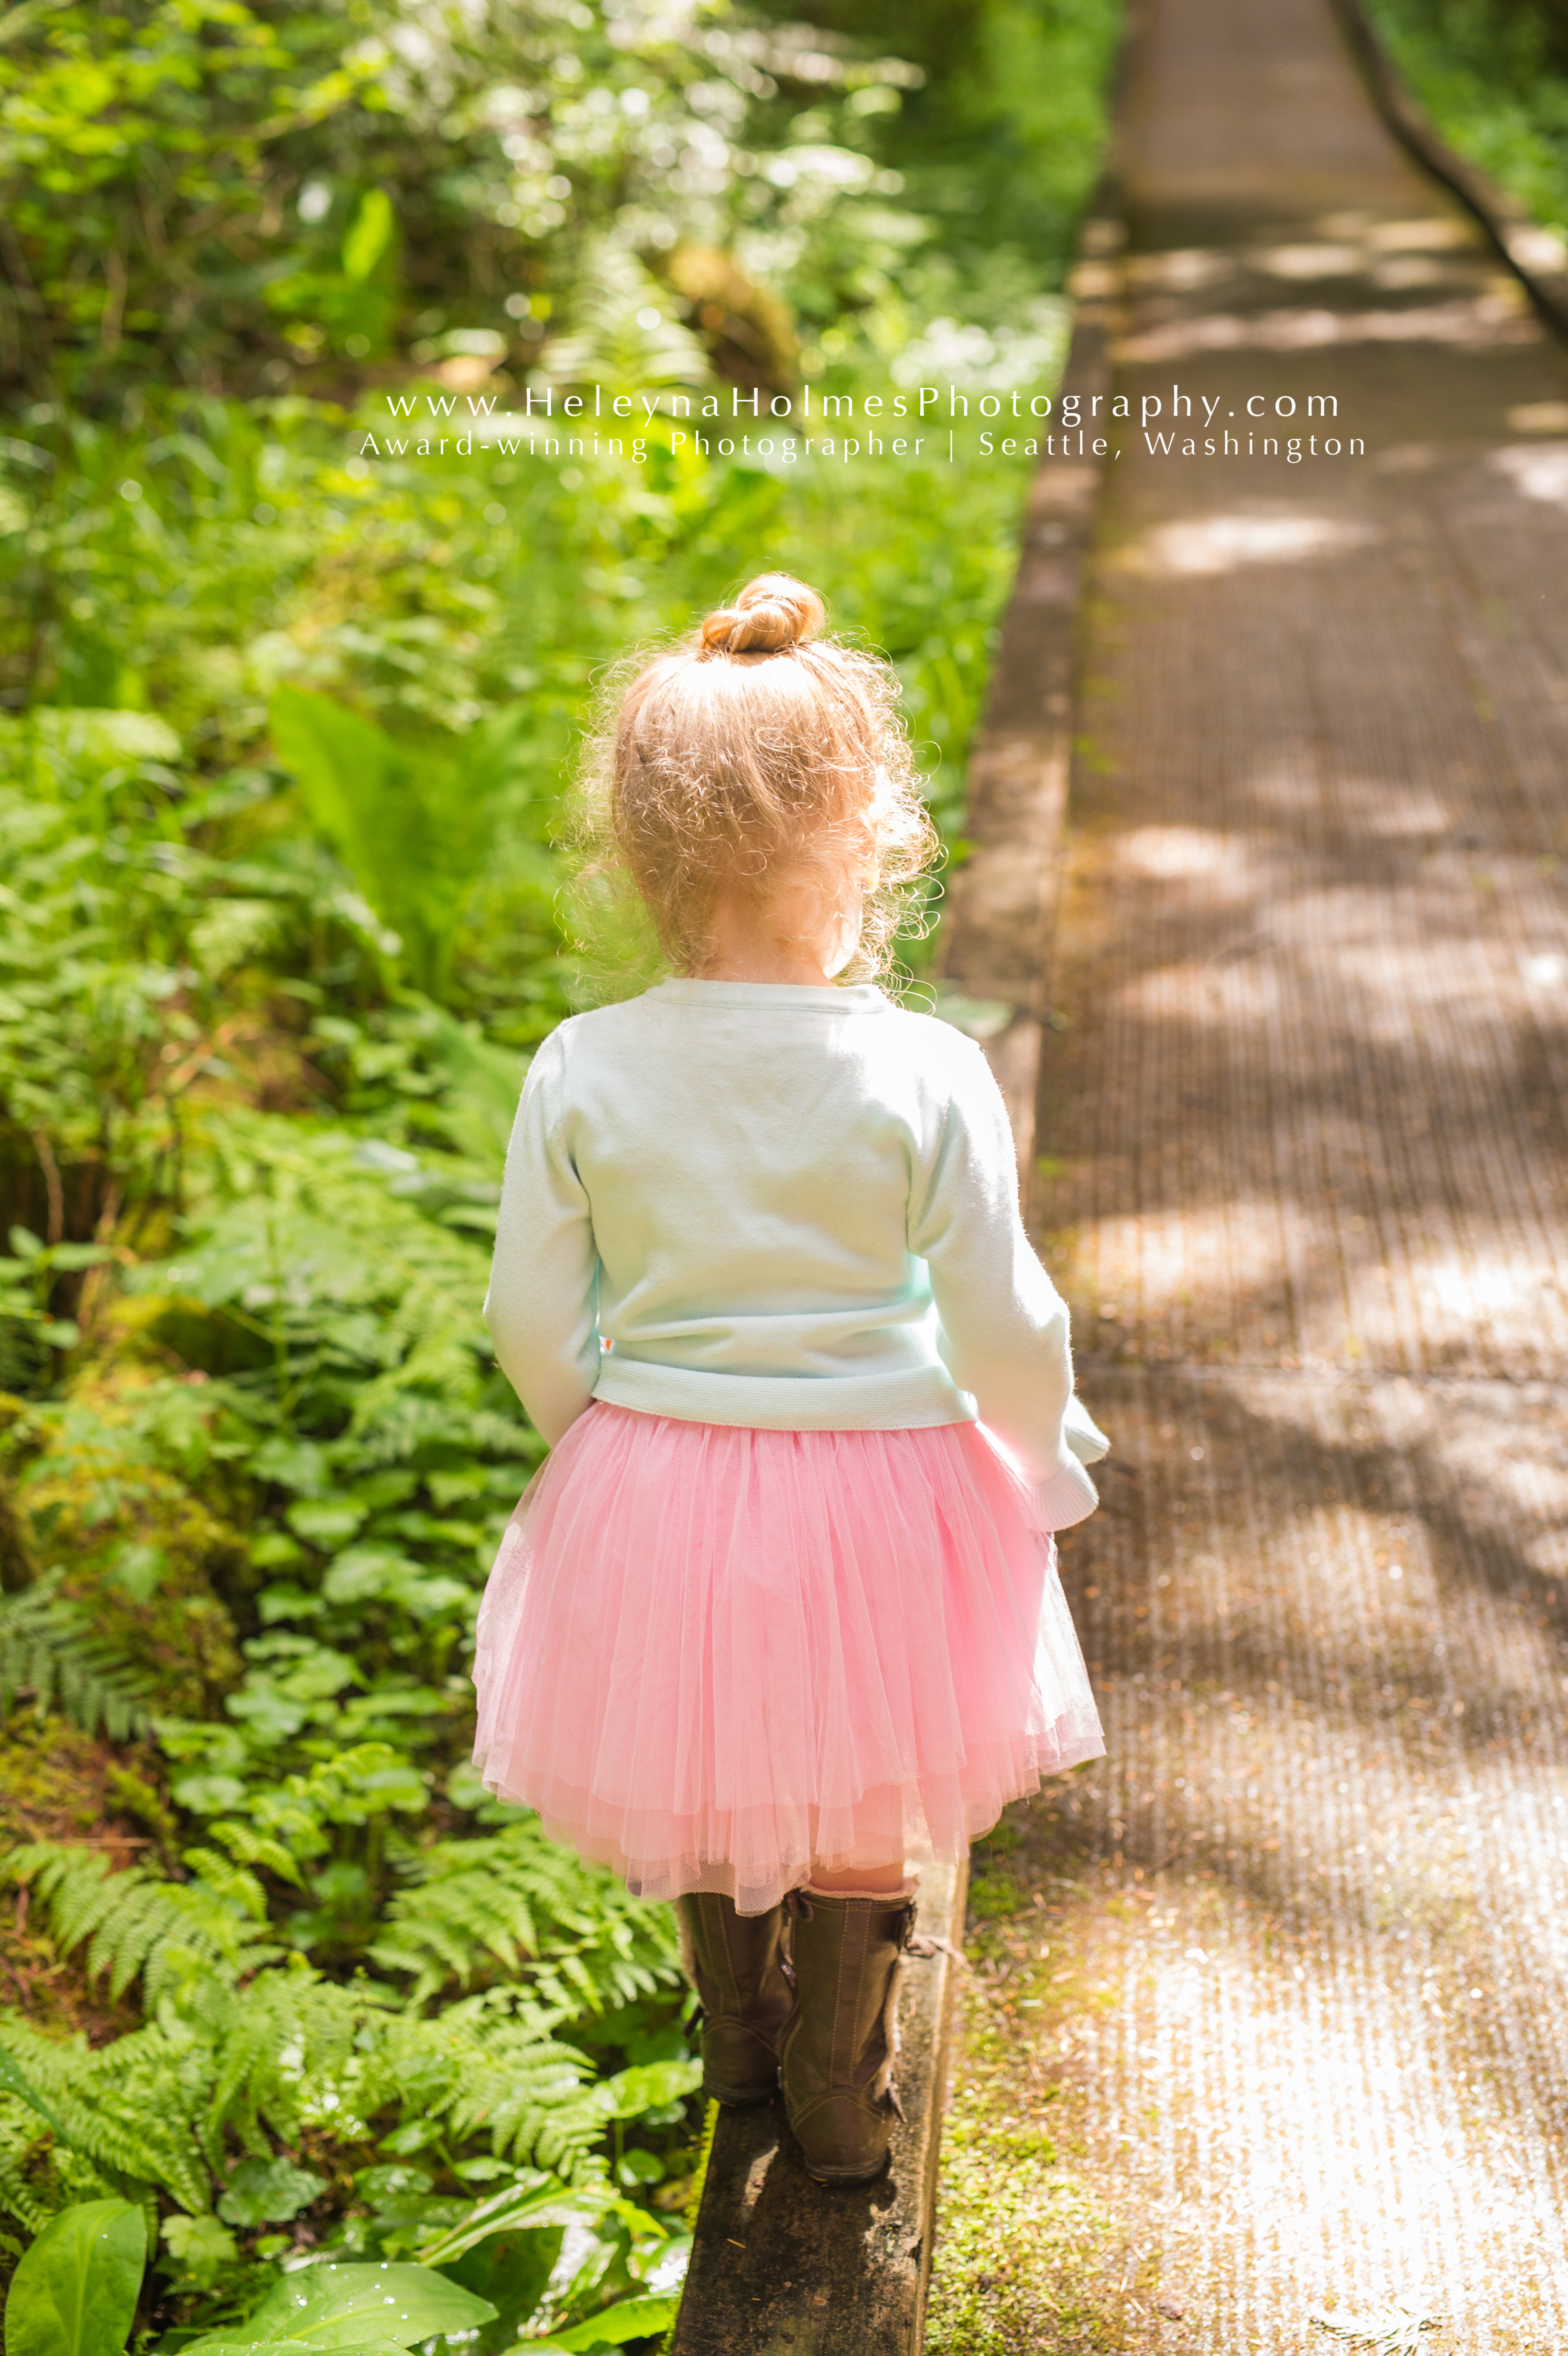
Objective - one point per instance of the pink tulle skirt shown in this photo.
(710, 1657)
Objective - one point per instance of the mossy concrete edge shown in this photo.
(1001, 902)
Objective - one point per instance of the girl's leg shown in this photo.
(868, 1880)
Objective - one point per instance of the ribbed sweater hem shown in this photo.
(913, 1398)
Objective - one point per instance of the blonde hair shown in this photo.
(753, 752)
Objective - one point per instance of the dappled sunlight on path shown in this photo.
(1306, 1140)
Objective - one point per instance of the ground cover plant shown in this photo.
(1035, 2250)
(284, 724)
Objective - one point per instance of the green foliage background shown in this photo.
(1493, 75)
(285, 726)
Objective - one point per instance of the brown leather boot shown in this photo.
(737, 1967)
(837, 2052)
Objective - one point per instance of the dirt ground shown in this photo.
(1266, 2016)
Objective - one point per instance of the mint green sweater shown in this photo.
(758, 1203)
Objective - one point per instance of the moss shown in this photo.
(134, 1798)
(18, 1569)
(1019, 2262)
(52, 1779)
(994, 1896)
(1034, 2252)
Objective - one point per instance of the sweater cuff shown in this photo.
(1065, 1495)
(1082, 1434)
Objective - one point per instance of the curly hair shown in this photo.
(752, 754)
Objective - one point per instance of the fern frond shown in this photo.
(493, 2066)
(20, 2130)
(128, 2108)
(290, 2042)
(519, 1905)
(247, 1847)
(135, 1926)
(529, 2101)
(222, 1874)
(48, 1646)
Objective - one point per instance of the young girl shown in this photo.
(781, 1611)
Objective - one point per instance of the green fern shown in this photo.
(250, 2050)
(19, 2132)
(248, 2069)
(135, 1926)
(48, 1647)
(488, 2065)
(515, 1904)
(131, 2108)
(289, 2051)
(292, 2051)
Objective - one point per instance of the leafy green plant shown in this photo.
(135, 1926)
(354, 2307)
(631, 2318)
(513, 1902)
(297, 1152)
(266, 191)
(417, 841)
(27, 1282)
(285, 722)
(75, 2288)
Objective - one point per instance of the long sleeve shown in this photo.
(1003, 1324)
(542, 1304)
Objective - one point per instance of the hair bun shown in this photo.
(772, 614)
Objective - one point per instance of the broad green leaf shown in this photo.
(633, 2318)
(326, 1521)
(209, 1796)
(418, 832)
(512, 2212)
(368, 1574)
(75, 1256)
(74, 2292)
(268, 2193)
(340, 2306)
(298, 1464)
(382, 2183)
(220, 2346)
(359, 794)
(200, 2247)
(647, 2087)
(513, 2271)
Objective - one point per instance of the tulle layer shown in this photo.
(712, 1656)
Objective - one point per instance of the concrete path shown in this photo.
(1306, 1122)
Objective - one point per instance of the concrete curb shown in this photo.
(1001, 902)
(1537, 257)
